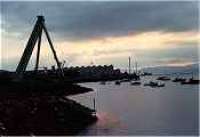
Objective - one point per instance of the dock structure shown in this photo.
(36, 35)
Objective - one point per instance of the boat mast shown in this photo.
(129, 65)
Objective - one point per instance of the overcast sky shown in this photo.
(153, 33)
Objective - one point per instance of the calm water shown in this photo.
(138, 110)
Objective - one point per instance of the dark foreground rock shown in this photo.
(43, 116)
(40, 107)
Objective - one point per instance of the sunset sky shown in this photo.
(151, 33)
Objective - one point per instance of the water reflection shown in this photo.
(139, 110)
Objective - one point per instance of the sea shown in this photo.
(140, 110)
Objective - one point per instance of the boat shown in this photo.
(117, 82)
(154, 84)
(179, 80)
(161, 84)
(135, 83)
(163, 78)
(191, 81)
(151, 84)
(146, 74)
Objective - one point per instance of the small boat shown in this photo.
(117, 82)
(146, 84)
(163, 78)
(179, 80)
(161, 84)
(191, 81)
(151, 84)
(154, 84)
(135, 83)
(146, 74)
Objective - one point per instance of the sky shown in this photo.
(102, 33)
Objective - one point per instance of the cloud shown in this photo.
(175, 62)
(146, 47)
(85, 20)
(105, 32)
(143, 41)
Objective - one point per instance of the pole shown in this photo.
(53, 50)
(136, 67)
(129, 65)
(94, 103)
(30, 46)
(38, 51)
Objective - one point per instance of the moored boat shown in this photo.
(135, 83)
(154, 84)
(163, 78)
(179, 80)
(117, 82)
(191, 81)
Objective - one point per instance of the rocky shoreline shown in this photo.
(42, 109)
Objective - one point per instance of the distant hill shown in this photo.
(172, 69)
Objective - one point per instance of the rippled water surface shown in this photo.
(138, 110)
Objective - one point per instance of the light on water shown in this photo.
(138, 110)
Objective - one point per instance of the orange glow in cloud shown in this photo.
(143, 41)
(121, 46)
